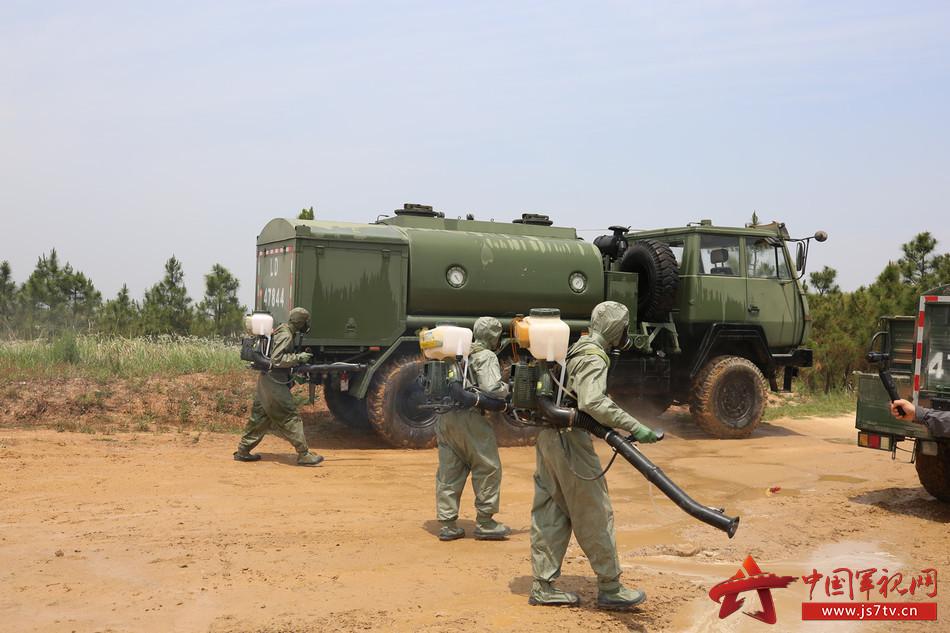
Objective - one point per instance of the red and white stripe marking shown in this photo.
(276, 251)
(919, 352)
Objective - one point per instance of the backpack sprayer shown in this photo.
(444, 375)
(534, 401)
(256, 349)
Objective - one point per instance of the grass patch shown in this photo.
(806, 405)
(103, 358)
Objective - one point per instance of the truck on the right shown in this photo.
(915, 352)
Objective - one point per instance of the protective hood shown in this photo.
(610, 320)
(486, 333)
(299, 320)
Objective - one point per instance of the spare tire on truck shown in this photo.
(393, 403)
(658, 277)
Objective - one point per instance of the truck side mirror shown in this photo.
(800, 257)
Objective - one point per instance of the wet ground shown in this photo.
(164, 532)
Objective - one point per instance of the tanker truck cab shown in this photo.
(740, 315)
(915, 352)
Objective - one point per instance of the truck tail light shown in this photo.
(874, 440)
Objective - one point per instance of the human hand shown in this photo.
(910, 412)
(645, 435)
(305, 357)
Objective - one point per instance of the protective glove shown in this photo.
(644, 434)
(304, 357)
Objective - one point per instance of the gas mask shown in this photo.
(625, 342)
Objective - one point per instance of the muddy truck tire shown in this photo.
(345, 408)
(392, 403)
(728, 397)
(933, 471)
(657, 275)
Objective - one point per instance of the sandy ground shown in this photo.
(164, 532)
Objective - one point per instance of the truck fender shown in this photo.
(737, 339)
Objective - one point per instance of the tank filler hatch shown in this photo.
(419, 210)
(538, 219)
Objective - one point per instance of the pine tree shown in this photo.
(167, 307)
(824, 280)
(55, 297)
(305, 214)
(917, 261)
(221, 309)
(8, 296)
(120, 316)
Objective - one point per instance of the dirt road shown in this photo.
(164, 532)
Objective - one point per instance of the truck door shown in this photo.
(720, 287)
(772, 293)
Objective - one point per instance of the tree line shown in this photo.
(844, 322)
(58, 297)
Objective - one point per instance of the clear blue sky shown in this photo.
(131, 131)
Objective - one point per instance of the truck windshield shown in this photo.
(765, 259)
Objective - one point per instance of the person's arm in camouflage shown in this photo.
(937, 422)
(589, 376)
(487, 372)
(280, 354)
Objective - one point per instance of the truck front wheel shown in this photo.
(393, 403)
(934, 472)
(728, 397)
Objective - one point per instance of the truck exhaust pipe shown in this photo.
(562, 417)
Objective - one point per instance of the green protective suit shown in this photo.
(564, 502)
(274, 410)
(466, 439)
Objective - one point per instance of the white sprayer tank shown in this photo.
(548, 335)
(259, 324)
(446, 342)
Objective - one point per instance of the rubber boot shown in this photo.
(545, 594)
(308, 459)
(615, 597)
(488, 529)
(244, 456)
(450, 531)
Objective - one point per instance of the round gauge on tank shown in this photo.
(456, 276)
(578, 282)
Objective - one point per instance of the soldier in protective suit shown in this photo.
(467, 444)
(568, 494)
(274, 409)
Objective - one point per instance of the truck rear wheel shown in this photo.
(345, 408)
(657, 277)
(728, 397)
(393, 403)
(933, 471)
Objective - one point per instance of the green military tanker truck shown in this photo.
(720, 315)
(914, 354)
